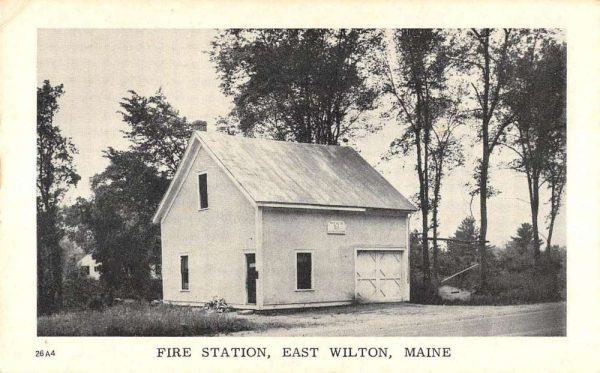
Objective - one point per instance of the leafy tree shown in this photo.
(463, 251)
(304, 85)
(71, 253)
(537, 101)
(523, 241)
(79, 289)
(126, 195)
(55, 152)
(158, 133)
(486, 55)
(73, 222)
(417, 85)
(520, 250)
(55, 173)
(446, 154)
(115, 224)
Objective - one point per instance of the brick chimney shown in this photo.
(200, 125)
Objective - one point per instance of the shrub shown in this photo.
(95, 303)
(512, 279)
(78, 290)
(218, 305)
(81, 292)
(519, 287)
(154, 289)
(513, 274)
(420, 295)
(147, 290)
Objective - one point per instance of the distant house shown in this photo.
(89, 267)
(269, 224)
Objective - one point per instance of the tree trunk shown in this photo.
(57, 274)
(535, 202)
(42, 301)
(550, 230)
(483, 212)
(554, 207)
(436, 267)
(485, 161)
(425, 199)
(435, 222)
(426, 268)
(423, 195)
(49, 265)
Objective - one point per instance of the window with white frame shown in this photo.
(304, 270)
(202, 191)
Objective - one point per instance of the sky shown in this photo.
(98, 67)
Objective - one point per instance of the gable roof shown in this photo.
(286, 173)
(86, 258)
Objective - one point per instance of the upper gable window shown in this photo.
(202, 191)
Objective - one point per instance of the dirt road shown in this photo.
(403, 319)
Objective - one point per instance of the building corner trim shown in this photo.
(258, 245)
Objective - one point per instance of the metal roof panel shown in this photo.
(294, 173)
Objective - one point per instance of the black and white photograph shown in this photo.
(301, 182)
(299, 186)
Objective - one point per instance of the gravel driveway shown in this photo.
(406, 319)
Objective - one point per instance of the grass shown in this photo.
(143, 320)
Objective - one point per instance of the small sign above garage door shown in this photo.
(379, 276)
(336, 227)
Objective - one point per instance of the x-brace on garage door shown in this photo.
(379, 276)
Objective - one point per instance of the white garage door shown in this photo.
(379, 276)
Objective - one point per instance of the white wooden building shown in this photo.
(89, 267)
(267, 224)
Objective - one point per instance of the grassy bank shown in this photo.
(142, 320)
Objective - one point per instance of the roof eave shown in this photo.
(309, 206)
(164, 202)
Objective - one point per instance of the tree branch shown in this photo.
(499, 132)
(477, 94)
(395, 93)
(511, 148)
